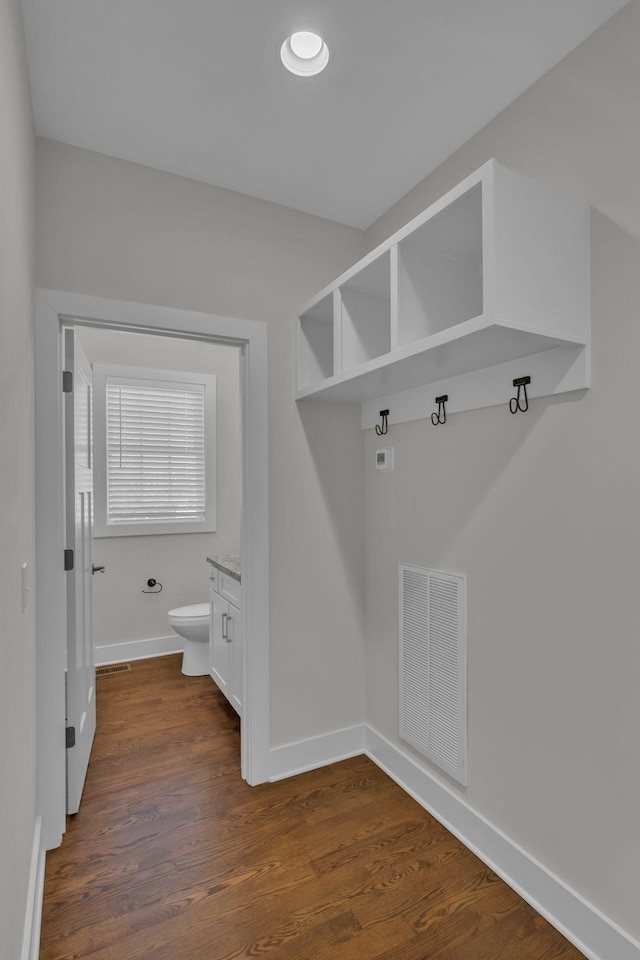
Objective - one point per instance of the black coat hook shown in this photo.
(520, 401)
(383, 428)
(441, 415)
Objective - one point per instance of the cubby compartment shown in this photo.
(440, 270)
(365, 308)
(489, 284)
(316, 343)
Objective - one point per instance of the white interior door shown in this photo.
(81, 701)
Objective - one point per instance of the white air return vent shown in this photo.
(433, 668)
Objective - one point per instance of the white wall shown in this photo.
(17, 633)
(121, 612)
(541, 512)
(115, 229)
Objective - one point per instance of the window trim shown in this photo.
(101, 528)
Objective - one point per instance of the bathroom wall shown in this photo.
(17, 520)
(541, 512)
(116, 229)
(121, 611)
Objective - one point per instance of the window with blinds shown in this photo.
(155, 432)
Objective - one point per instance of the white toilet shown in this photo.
(192, 623)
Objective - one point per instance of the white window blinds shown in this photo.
(155, 452)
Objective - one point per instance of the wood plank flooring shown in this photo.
(173, 857)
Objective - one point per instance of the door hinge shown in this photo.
(67, 381)
(68, 559)
(70, 737)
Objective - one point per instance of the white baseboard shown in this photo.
(293, 758)
(137, 650)
(576, 919)
(33, 911)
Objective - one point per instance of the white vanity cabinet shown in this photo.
(225, 636)
(235, 645)
(218, 646)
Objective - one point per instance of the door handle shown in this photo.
(95, 569)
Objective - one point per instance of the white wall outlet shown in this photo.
(384, 458)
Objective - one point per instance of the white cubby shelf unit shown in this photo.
(489, 284)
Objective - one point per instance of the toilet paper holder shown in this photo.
(153, 584)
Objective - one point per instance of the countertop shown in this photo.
(229, 564)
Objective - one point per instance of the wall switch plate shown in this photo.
(384, 458)
(24, 586)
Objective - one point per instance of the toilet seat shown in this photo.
(195, 613)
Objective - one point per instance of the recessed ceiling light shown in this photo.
(304, 54)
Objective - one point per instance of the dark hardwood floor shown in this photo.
(173, 857)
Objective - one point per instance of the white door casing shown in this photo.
(80, 679)
(54, 308)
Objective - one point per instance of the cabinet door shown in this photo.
(219, 648)
(234, 630)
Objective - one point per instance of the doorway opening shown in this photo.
(129, 617)
(55, 310)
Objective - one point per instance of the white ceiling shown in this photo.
(196, 87)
